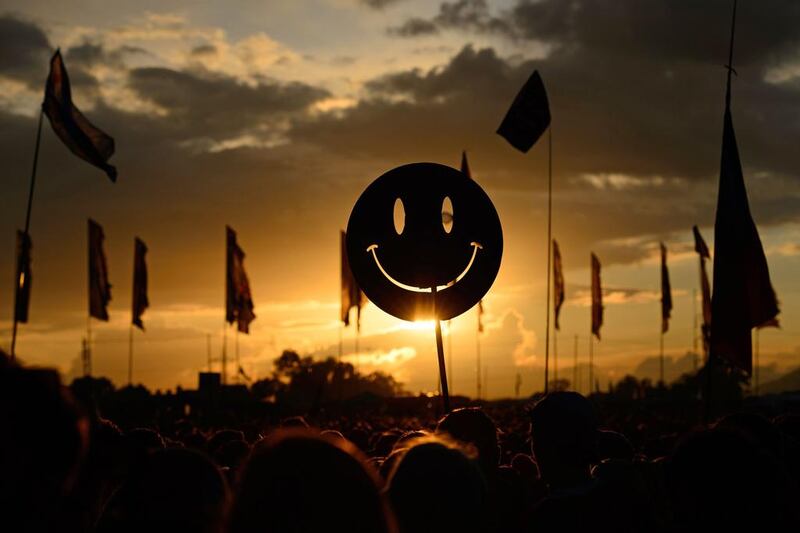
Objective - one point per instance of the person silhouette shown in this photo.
(436, 486)
(298, 480)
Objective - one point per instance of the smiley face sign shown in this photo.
(424, 231)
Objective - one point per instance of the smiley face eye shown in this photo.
(399, 216)
(447, 214)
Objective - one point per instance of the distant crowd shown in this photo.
(557, 464)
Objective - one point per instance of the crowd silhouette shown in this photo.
(555, 464)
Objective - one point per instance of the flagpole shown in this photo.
(27, 224)
(575, 383)
(130, 356)
(661, 358)
(694, 327)
(591, 364)
(450, 353)
(440, 353)
(224, 352)
(555, 359)
(236, 353)
(758, 359)
(478, 356)
(549, 254)
(341, 328)
(710, 360)
(89, 344)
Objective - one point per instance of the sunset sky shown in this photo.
(273, 117)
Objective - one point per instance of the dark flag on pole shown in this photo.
(597, 298)
(743, 296)
(22, 292)
(480, 316)
(558, 282)
(81, 136)
(351, 296)
(99, 287)
(465, 165)
(140, 301)
(666, 292)
(528, 117)
(238, 300)
(705, 287)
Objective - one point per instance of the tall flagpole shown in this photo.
(224, 352)
(450, 353)
(575, 384)
(549, 254)
(591, 364)
(130, 356)
(236, 353)
(27, 226)
(478, 357)
(440, 354)
(555, 359)
(758, 359)
(661, 359)
(208, 350)
(694, 326)
(711, 359)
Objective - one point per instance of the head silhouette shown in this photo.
(171, 490)
(435, 486)
(298, 480)
(472, 426)
(44, 438)
(563, 438)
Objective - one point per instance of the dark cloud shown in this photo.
(636, 143)
(379, 4)
(465, 15)
(414, 27)
(24, 50)
(660, 30)
(204, 50)
(217, 107)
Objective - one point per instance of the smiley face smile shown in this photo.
(475, 247)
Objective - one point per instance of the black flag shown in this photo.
(597, 298)
(99, 287)
(743, 296)
(705, 287)
(558, 282)
(528, 117)
(140, 301)
(666, 292)
(81, 136)
(22, 292)
(239, 302)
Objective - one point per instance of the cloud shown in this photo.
(414, 27)
(379, 4)
(24, 50)
(464, 15)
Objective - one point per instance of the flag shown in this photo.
(597, 298)
(140, 301)
(351, 296)
(743, 297)
(465, 165)
(528, 117)
(666, 292)
(558, 282)
(99, 287)
(23, 279)
(705, 287)
(238, 301)
(75, 131)
(480, 316)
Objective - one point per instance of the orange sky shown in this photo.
(273, 118)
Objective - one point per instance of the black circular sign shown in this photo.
(424, 226)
